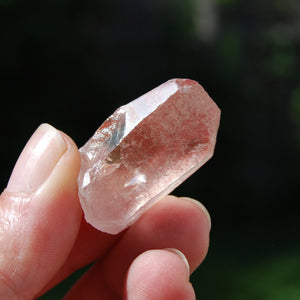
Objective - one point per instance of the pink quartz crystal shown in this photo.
(144, 151)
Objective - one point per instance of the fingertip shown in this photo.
(182, 256)
(159, 275)
(181, 223)
(199, 205)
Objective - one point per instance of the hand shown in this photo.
(44, 238)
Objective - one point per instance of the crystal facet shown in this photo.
(144, 151)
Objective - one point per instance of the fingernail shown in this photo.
(37, 160)
(182, 256)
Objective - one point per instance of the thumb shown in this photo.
(39, 213)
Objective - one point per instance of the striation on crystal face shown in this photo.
(144, 151)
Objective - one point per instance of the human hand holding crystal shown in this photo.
(44, 238)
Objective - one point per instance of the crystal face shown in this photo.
(144, 151)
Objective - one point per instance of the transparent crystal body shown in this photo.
(144, 151)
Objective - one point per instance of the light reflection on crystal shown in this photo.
(86, 179)
(136, 180)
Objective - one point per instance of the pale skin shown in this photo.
(44, 237)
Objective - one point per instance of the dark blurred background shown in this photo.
(71, 63)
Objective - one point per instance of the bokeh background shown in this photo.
(71, 63)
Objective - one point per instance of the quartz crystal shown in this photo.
(144, 151)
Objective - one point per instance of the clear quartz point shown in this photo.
(144, 151)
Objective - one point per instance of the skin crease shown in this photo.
(44, 237)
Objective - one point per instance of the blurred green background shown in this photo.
(71, 63)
